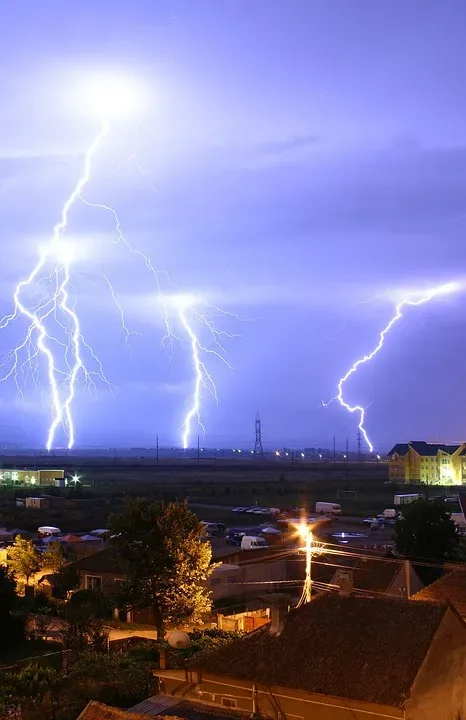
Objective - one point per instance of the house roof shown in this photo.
(400, 448)
(424, 449)
(104, 561)
(167, 706)
(359, 648)
(372, 574)
(450, 587)
(98, 711)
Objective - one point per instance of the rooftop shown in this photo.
(425, 449)
(337, 646)
(104, 561)
(451, 587)
(173, 707)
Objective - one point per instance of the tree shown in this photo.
(66, 580)
(23, 559)
(85, 633)
(54, 557)
(426, 531)
(89, 603)
(11, 626)
(167, 563)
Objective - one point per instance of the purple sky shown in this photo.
(299, 158)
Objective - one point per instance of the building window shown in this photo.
(214, 582)
(229, 702)
(94, 582)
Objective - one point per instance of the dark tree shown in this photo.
(426, 531)
(11, 626)
(167, 563)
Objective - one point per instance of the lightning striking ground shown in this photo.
(54, 314)
(411, 301)
(56, 256)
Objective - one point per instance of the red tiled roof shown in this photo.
(366, 649)
(450, 587)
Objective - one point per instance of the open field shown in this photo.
(107, 483)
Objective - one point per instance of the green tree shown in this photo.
(85, 633)
(89, 603)
(166, 561)
(66, 580)
(54, 558)
(426, 531)
(23, 559)
(11, 626)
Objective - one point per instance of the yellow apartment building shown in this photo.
(430, 463)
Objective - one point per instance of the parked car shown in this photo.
(369, 520)
(239, 509)
(234, 538)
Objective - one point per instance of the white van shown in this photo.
(390, 514)
(328, 508)
(251, 542)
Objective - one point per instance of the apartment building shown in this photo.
(430, 463)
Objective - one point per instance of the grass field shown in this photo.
(107, 483)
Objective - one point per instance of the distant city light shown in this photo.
(277, 453)
(302, 455)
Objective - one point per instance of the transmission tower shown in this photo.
(359, 445)
(258, 449)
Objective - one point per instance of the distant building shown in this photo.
(338, 657)
(32, 477)
(38, 503)
(430, 463)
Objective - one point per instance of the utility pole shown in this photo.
(157, 448)
(334, 450)
(308, 582)
(359, 445)
(347, 450)
(198, 449)
(258, 449)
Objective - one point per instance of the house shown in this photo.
(100, 571)
(450, 587)
(242, 573)
(339, 657)
(430, 463)
(376, 575)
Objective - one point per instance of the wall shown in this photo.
(275, 702)
(439, 691)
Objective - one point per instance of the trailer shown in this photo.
(405, 499)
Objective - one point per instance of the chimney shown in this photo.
(163, 659)
(278, 614)
(345, 581)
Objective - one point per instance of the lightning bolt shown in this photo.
(189, 316)
(411, 301)
(62, 383)
(46, 299)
